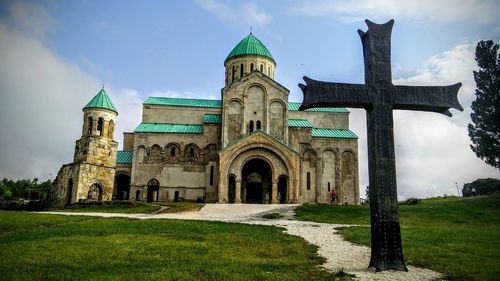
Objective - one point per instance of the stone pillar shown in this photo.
(237, 197)
(222, 189)
(319, 180)
(295, 191)
(105, 127)
(274, 192)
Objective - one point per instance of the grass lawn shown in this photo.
(459, 237)
(55, 247)
(139, 208)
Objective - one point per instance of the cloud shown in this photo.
(483, 11)
(432, 150)
(247, 13)
(42, 97)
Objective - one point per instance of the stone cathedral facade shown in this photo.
(251, 146)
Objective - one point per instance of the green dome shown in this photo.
(101, 100)
(250, 45)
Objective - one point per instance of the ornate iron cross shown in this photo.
(378, 96)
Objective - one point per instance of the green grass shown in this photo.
(55, 247)
(459, 237)
(272, 216)
(139, 208)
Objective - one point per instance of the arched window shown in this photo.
(250, 129)
(172, 151)
(234, 72)
(100, 125)
(262, 68)
(89, 124)
(95, 192)
(258, 125)
(241, 70)
(251, 67)
(111, 129)
(308, 180)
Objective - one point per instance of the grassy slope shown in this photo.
(456, 236)
(52, 247)
(139, 208)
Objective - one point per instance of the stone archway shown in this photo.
(122, 187)
(256, 182)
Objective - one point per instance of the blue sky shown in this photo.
(56, 54)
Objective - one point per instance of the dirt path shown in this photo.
(340, 254)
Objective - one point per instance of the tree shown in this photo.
(484, 130)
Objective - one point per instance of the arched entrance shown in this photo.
(256, 182)
(70, 192)
(122, 187)
(95, 192)
(282, 189)
(153, 190)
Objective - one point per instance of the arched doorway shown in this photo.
(122, 187)
(282, 189)
(70, 191)
(231, 189)
(256, 182)
(95, 192)
(153, 190)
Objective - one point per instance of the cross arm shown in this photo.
(328, 94)
(428, 98)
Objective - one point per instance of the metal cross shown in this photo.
(378, 96)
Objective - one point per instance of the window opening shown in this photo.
(258, 125)
(308, 180)
(251, 126)
(211, 175)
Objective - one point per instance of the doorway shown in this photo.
(153, 191)
(282, 189)
(256, 182)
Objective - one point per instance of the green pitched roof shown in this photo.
(250, 45)
(124, 156)
(169, 128)
(183, 102)
(294, 106)
(101, 100)
(212, 119)
(301, 123)
(333, 133)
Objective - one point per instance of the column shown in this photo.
(274, 192)
(94, 126)
(237, 197)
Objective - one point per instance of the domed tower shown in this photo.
(249, 55)
(252, 99)
(91, 175)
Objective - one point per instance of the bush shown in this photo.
(410, 201)
(481, 187)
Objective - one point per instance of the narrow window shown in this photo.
(234, 72)
(268, 71)
(251, 127)
(251, 67)
(100, 124)
(211, 175)
(308, 181)
(191, 152)
(172, 151)
(258, 125)
(262, 68)
(90, 125)
(328, 186)
(241, 70)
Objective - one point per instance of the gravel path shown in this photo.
(340, 254)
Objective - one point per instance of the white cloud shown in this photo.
(42, 97)
(483, 11)
(247, 13)
(432, 150)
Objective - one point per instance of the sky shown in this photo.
(56, 55)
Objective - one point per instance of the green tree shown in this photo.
(484, 130)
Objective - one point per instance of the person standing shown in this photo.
(333, 194)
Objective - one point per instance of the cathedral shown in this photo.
(250, 146)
